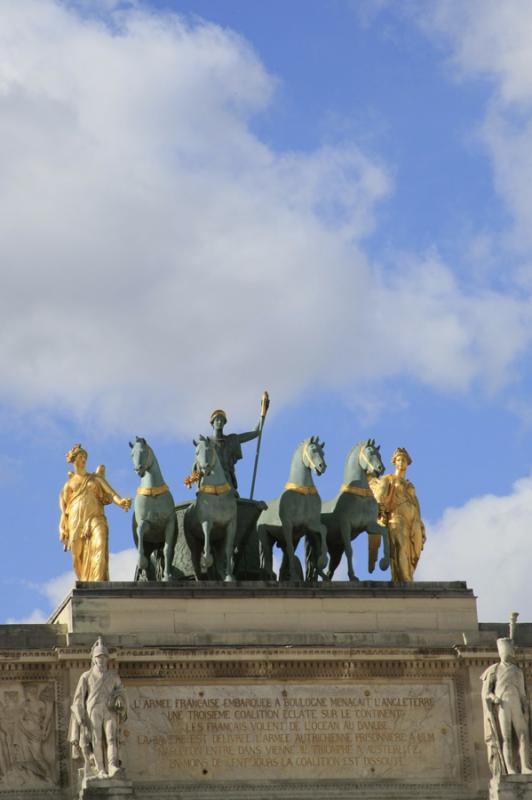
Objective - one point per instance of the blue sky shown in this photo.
(329, 199)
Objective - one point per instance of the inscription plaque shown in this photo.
(249, 731)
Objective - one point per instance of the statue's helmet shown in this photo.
(401, 451)
(218, 412)
(99, 648)
(505, 647)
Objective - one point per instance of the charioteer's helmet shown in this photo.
(218, 412)
(401, 451)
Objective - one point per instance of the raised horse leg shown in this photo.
(169, 544)
(230, 536)
(374, 527)
(384, 563)
(206, 556)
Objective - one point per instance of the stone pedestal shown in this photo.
(267, 690)
(256, 613)
(110, 788)
(511, 787)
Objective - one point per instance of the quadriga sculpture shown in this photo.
(354, 510)
(211, 520)
(154, 522)
(295, 513)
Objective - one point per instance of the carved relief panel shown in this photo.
(27, 735)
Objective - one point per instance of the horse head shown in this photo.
(206, 455)
(369, 458)
(142, 455)
(312, 455)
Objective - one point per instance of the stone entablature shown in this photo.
(316, 718)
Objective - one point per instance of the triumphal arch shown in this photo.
(233, 666)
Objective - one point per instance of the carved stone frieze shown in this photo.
(28, 734)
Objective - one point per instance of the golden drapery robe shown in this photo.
(84, 528)
(398, 501)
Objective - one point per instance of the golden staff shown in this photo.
(264, 406)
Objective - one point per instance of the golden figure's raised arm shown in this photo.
(123, 502)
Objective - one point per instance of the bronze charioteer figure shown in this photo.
(229, 446)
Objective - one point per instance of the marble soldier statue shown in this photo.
(506, 713)
(99, 705)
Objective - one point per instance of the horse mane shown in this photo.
(201, 438)
(140, 439)
(358, 446)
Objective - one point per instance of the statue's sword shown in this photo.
(496, 740)
(264, 405)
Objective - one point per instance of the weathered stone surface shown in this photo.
(383, 730)
(201, 613)
(303, 790)
(250, 648)
(22, 637)
(498, 629)
(511, 787)
(27, 735)
(107, 788)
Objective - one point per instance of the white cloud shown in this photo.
(122, 565)
(121, 568)
(489, 538)
(56, 589)
(37, 617)
(490, 39)
(493, 41)
(157, 254)
(446, 337)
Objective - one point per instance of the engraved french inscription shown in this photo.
(292, 731)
